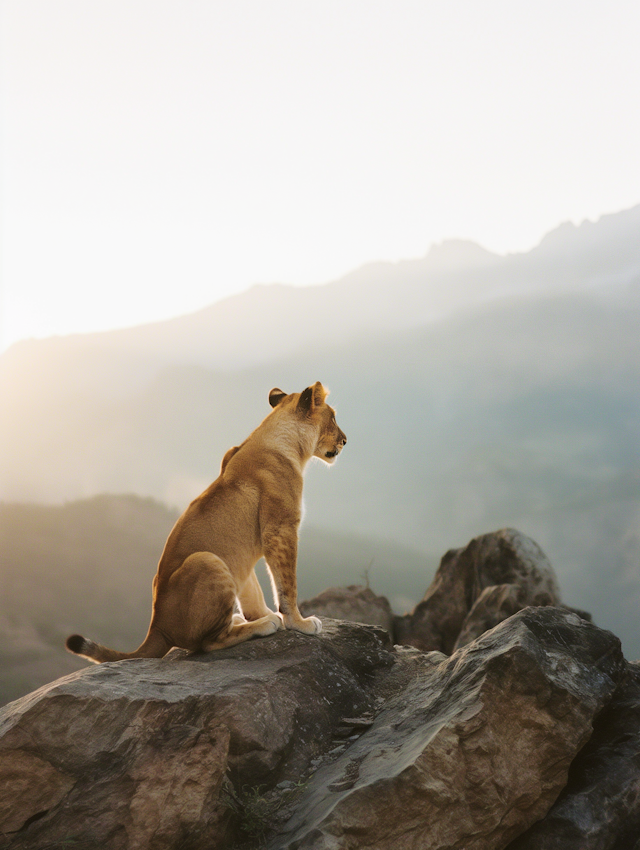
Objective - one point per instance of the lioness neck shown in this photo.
(293, 439)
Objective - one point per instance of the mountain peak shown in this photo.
(612, 232)
(459, 254)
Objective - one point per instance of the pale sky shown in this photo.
(161, 154)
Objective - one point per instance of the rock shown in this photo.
(600, 806)
(134, 754)
(408, 748)
(28, 783)
(356, 604)
(477, 587)
(495, 604)
(474, 750)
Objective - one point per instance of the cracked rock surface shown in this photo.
(474, 750)
(394, 747)
(136, 753)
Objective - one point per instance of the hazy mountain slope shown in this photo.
(63, 398)
(83, 565)
(524, 413)
(87, 566)
(506, 376)
(267, 323)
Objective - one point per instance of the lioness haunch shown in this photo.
(252, 510)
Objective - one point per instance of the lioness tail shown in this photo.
(154, 646)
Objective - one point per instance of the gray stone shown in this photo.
(600, 807)
(462, 598)
(355, 603)
(494, 605)
(474, 750)
(134, 754)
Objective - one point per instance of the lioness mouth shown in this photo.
(330, 454)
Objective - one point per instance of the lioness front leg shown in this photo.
(251, 599)
(280, 547)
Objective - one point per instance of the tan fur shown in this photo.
(253, 509)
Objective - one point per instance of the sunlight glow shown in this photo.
(159, 157)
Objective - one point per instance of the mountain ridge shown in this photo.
(260, 322)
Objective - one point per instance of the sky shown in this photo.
(158, 155)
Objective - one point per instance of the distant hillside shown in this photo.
(87, 567)
(84, 565)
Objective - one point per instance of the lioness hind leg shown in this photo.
(197, 602)
(239, 632)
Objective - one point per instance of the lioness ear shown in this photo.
(319, 394)
(312, 397)
(305, 402)
(276, 396)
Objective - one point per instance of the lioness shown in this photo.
(252, 509)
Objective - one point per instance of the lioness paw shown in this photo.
(307, 625)
(317, 624)
(266, 625)
(277, 620)
(269, 628)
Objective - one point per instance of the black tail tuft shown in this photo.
(75, 644)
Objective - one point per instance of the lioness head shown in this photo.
(310, 406)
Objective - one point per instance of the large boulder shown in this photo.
(477, 587)
(135, 754)
(474, 750)
(333, 740)
(474, 589)
(600, 806)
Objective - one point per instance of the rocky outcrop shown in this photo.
(474, 750)
(355, 603)
(525, 736)
(477, 587)
(474, 588)
(600, 806)
(372, 746)
(135, 753)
